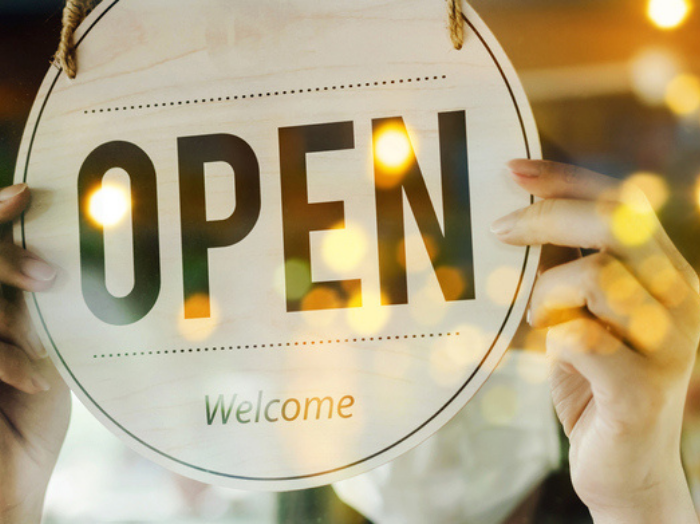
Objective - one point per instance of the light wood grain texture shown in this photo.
(155, 71)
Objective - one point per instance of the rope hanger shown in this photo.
(75, 12)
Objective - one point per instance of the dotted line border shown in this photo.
(178, 103)
(302, 343)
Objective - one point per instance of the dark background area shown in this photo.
(29, 32)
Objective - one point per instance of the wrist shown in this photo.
(664, 502)
(29, 511)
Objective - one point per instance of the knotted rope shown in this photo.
(456, 23)
(75, 12)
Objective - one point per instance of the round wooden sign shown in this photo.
(271, 223)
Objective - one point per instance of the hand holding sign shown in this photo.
(621, 369)
(618, 391)
(34, 401)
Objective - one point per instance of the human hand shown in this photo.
(34, 401)
(624, 327)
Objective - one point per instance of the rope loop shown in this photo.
(75, 12)
(456, 23)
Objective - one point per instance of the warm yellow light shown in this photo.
(109, 205)
(535, 340)
(392, 148)
(199, 329)
(650, 324)
(651, 70)
(663, 280)
(622, 291)
(654, 187)
(683, 94)
(632, 226)
(668, 14)
(344, 249)
(365, 314)
(322, 297)
(454, 281)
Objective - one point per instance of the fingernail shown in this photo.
(38, 351)
(528, 316)
(505, 224)
(10, 192)
(37, 270)
(41, 352)
(40, 383)
(524, 167)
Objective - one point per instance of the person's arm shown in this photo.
(34, 400)
(624, 327)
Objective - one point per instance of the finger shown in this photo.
(604, 361)
(615, 228)
(23, 270)
(16, 329)
(571, 394)
(17, 371)
(576, 223)
(613, 295)
(30, 340)
(552, 180)
(13, 201)
(546, 179)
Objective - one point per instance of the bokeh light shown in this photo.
(622, 291)
(199, 329)
(654, 187)
(344, 248)
(393, 151)
(668, 14)
(392, 148)
(320, 298)
(650, 325)
(633, 226)
(109, 205)
(535, 340)
(683, 94)
(663, 280)
(291, 279)
(453, 280)
(371, 317)
(651, 71)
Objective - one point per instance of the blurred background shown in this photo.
(615, 87)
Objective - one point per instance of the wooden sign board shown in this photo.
(271, 223)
